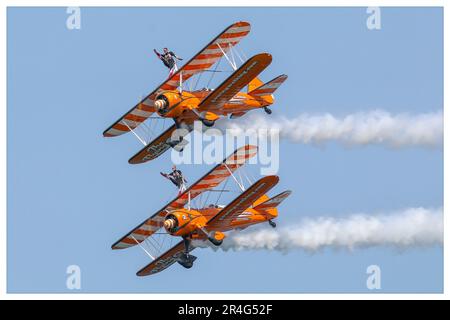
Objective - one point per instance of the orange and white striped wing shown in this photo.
(217, 175)
(269, 87)
(199, 63)
(142, 231)
(209, 181)
(134, 117)
(210, 54)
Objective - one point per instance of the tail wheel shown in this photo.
(267, 110)
(272, 224)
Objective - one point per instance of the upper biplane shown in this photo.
(184, 106)
(208, 223)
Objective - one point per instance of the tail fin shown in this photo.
(265, 91)
(255, 83)
(273, 202)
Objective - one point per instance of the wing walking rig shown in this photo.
(170, 100)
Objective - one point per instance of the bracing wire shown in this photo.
(197, 80)
(221, 191)
(207, 197)
(213, 73)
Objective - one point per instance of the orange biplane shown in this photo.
(171, 100)
(197, 225)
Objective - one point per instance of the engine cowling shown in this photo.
(183, 222)
(169, 104)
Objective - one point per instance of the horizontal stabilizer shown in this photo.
(269, 87)
(274, 201)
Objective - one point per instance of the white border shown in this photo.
(209, 3)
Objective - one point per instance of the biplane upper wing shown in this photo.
(165, 260)
(202, 61)
(209, 181)
(234, 83)
(222, 220)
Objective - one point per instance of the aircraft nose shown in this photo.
(169, 224)
(160, 104)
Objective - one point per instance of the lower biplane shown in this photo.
(172, 100)
(206, 224)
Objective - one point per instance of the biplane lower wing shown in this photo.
(202, 61)
(165, 260)
(222, 220)
(166, 140)
(234, 83)
(209, 181)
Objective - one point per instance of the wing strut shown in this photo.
(239, 184)
(142, 247)
(137, 136)
(226, 56)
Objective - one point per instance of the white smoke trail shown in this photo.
(363, 128)
(413, 227)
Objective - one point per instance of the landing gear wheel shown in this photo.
(215, 241)
(187, 260)
(267, 110)
(207, 123)
(272, 224)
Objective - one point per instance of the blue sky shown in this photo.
(71, 192)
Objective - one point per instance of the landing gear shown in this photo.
(267, 110)
(207, 123)
(186, 259)
(272, 224)
(177, 124)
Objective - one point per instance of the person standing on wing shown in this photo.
(177, 179)
(168, 58)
